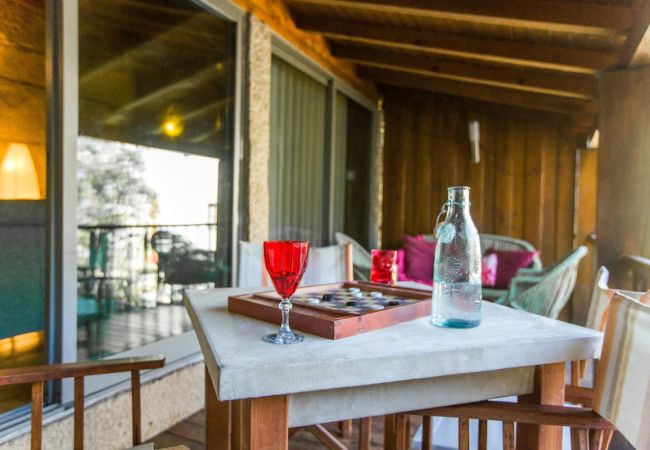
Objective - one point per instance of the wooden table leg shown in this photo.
(265, 423)
(549, 390)
(217, 418)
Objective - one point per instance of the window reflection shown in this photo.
(154, 167)
(22, 191)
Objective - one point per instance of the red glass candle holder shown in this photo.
(384, 267)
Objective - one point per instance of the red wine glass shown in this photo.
(286, 262)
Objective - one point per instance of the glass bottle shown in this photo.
(457, 265)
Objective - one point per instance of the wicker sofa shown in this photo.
(361, 256)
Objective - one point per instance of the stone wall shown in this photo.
(258, 67)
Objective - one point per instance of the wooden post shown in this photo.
(549, 390)
(37, 415)
(426, 432)
(217, 418)
(78, 413)
(136, 420)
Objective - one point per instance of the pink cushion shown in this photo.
(418, 258)
(489, 269)
(509, 262)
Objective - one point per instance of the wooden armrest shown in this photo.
(68, 370)
(522, 413)
(579, 395)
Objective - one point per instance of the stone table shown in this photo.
(255, 391)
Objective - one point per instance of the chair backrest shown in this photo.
(600, 298)
(498, 242)
(622, 393)
(551, 291)
(329, 265)
(38, 375)
(360, 256)
(250, 271)
(326, 265)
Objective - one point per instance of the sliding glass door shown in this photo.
(155, 163)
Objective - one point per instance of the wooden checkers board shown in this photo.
(340, 310)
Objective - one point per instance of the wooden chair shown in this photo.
(620, 396)
(38, 375)
(360, 256)
(547, 291)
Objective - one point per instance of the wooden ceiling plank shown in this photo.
(514, 76)
(513, 52)
(560, 16)
(529, 100)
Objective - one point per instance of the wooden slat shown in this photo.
(482, 435)
(523, 413)
(58, 371)
(514, 77)
(37, 415)
(508, 435)
(513, 52)
(579, 395)
(535, 101)
(560, 16)
(579, 439)
(463, 433)
(426, 433)
(326, 437)
(136, 414)
(365, 433)
(597, 440)
(78, 413)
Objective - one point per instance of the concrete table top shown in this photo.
(242, 366)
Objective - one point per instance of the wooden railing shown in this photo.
(632, 273)
(38, 375)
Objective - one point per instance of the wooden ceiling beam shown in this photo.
(559, 16)
(523, 99)
(512, 52)
(570, 85)
(636, 51)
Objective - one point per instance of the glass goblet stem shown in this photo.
(285, 307)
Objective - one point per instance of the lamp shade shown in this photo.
(18, 180)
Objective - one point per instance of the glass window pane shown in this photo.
(23, 193)
(352, 171)
(297, 156)
(155, 164)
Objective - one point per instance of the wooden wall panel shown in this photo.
(623, 162)
(523, 186)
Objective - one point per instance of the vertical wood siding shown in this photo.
(523, 186)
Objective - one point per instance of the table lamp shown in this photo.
(18, 180)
